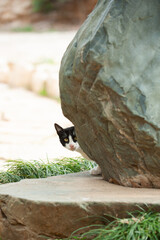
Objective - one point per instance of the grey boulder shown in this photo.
(110, 90)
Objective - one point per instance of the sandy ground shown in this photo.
(26, 119)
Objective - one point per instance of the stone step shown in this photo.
(56, 206)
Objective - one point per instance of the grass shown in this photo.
(43, 92)
(45, 61)
(23, 29)
(140, 225)
(43, 6)
(19, 169)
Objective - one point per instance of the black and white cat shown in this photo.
(68, 139)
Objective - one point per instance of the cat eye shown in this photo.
(75, 138)
(66, 139)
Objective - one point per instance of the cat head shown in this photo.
(67, 137)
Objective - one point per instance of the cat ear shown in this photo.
(58, 128)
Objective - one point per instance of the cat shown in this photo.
(68, 139)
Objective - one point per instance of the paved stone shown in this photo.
(26, 119)
(55, 206)
(34, 47)
(27, 126)
(31, 60)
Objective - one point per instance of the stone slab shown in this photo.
(56, 206)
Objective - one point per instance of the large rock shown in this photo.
(109, 84)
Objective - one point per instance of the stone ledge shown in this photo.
(54, 207)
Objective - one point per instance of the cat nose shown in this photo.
(71, 146)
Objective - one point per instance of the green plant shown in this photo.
(19, 169)
(43, 92)
(45, 6)
(140, 225)
(45, 61)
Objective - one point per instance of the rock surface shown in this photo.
(109, 84)
(56, 206)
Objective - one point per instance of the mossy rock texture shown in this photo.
(110, 90)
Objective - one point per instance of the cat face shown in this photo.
(67, 137)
